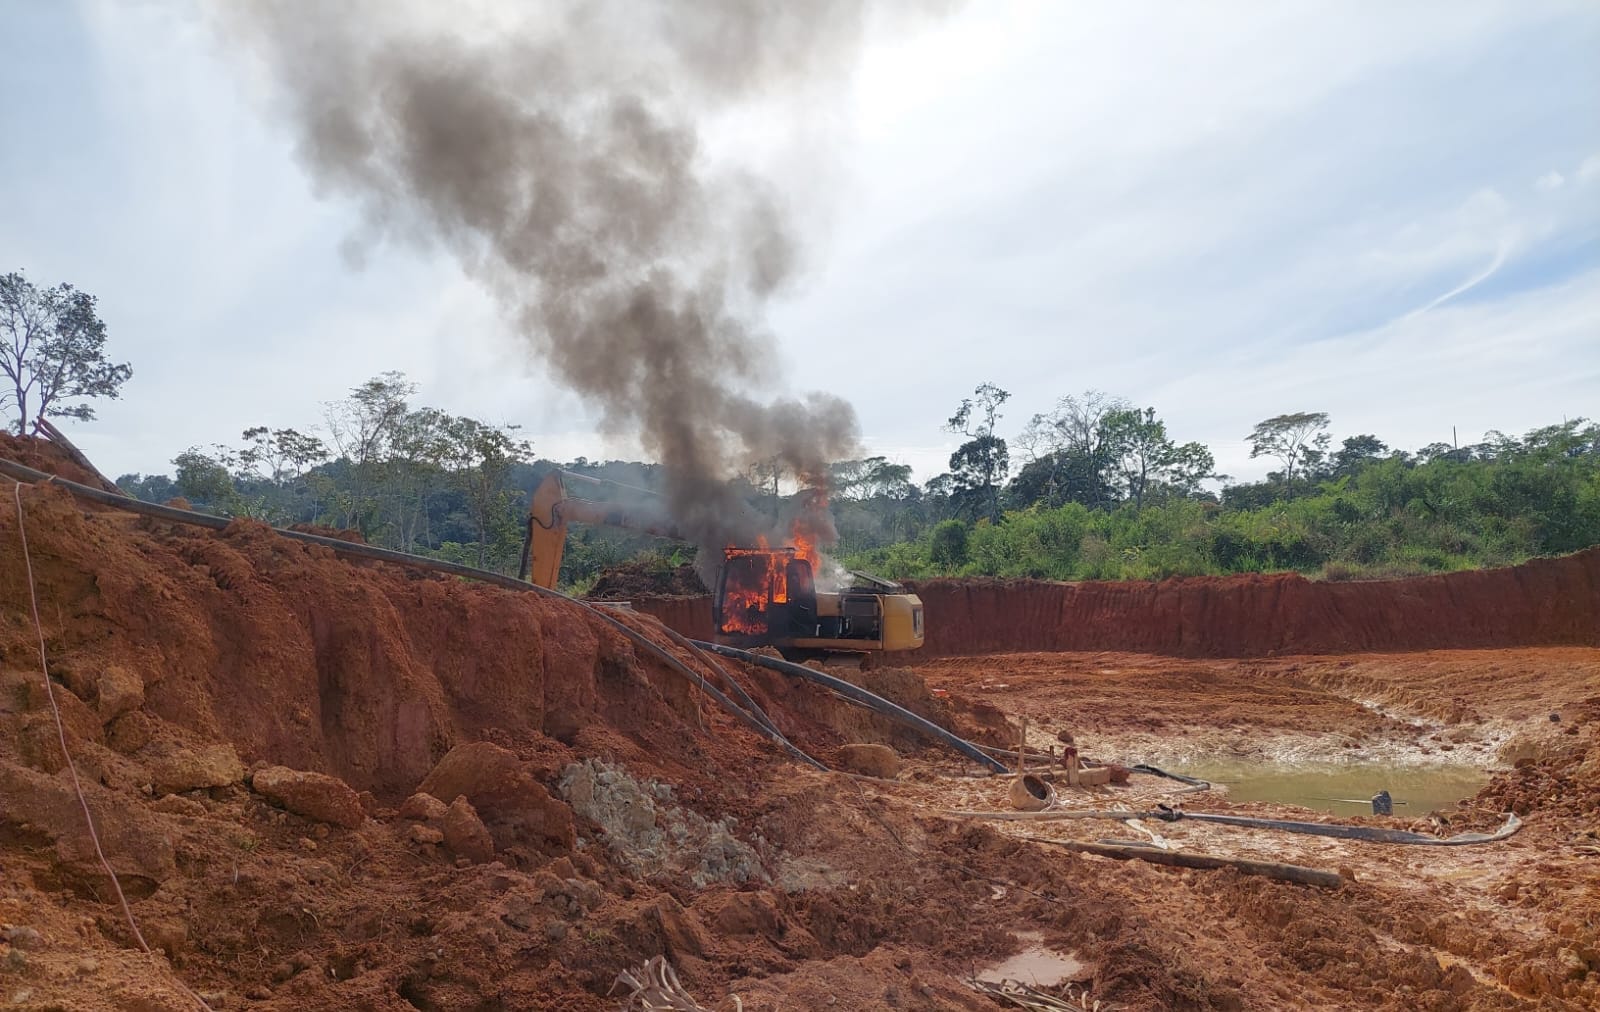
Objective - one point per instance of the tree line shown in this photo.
(408, 477)
(1105, 492)
(1095, 487)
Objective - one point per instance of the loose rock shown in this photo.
(313, 795)
(177, 804)
(186, 768)
(426, 835)
(872, 760)
(465, 834)
(423, 807)
(120, 691)
(130, 732)
(514, 806)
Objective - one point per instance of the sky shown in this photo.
(1225, 211)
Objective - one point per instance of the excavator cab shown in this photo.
(764, 596)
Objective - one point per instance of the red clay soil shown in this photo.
(1468, 707)
(1524, 914)
(189, 664)
(1545, 602)
(43, 456)
(184, 659)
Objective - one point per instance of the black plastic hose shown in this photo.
(873, 702)
(1364, 834)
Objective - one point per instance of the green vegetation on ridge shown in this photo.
(1106, 494)
(1103, 491)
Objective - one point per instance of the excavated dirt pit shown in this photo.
(1464, 735)
(348, 786)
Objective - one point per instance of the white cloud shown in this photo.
(1225, 210)
(1513, 364)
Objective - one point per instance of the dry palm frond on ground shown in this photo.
(655, 987)
(1012, 992)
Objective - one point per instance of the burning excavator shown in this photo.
(765, 595)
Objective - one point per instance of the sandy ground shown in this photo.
(876, 900)
(1475, 709)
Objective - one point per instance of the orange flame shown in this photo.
(754, 580)
(756, 577)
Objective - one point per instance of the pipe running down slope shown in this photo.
(860, 695)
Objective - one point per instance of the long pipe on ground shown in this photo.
(1184, 859)
(1363, 834)
(1369, 834)
(854, 692)
(711, 662)
(21, 472)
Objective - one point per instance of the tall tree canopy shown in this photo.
(1299, 440)
(52, 351)
(981, 464)
(1144, 456)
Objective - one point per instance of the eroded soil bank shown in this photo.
(1545, 602)
(336, 785)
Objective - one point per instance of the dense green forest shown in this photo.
(1100, 491)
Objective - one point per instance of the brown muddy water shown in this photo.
(1344, 788)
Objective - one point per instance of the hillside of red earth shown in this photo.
(333, 784)
(1544, 602)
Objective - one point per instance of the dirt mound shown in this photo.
(1560, 777)
(43, 455)
(643, 579)
(245, 710)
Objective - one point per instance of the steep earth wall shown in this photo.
(295, 656)
(690, 616)
(1545, 602)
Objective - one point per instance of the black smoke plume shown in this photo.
(559, 151)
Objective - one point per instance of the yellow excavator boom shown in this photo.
(552, 508)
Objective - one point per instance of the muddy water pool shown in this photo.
(1344, 788)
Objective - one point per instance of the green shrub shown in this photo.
(947, 546)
